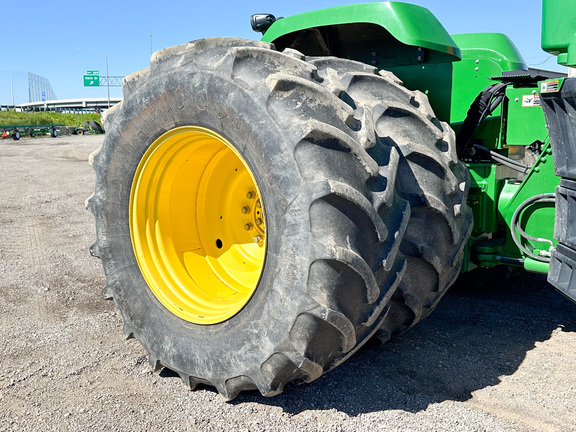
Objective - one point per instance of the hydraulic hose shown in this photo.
(515, 225)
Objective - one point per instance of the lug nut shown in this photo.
(258, 205)
(250, 195)
(259, 221)
(246, 210)
(257, 239)
(248, 226)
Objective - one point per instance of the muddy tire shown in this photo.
(334, 222)
(430, 177)
(339, 178)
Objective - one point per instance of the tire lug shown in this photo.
(250, 195)
(259, 221)
(257, 239)
(246, 210)
(248, 226)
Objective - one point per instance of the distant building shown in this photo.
(17, 87)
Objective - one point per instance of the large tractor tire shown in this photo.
(430, 177)
(96, 127)
(248, 217)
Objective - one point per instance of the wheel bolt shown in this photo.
(248, 226)
(250, 195)
(246, 210)
(258, 205)
(259, 221)
(257, 239)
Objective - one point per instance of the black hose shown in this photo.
(515, 225)
(484, 104)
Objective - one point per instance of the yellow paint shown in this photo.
(188, 222)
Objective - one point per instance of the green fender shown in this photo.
(410, 24)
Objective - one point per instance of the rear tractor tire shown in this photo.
(430, 177)
(248, 237)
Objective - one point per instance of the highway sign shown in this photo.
(92, 72)
(91, 80)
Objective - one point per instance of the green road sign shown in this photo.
(92, 72)
(91, 80)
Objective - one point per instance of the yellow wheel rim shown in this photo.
(197, 225)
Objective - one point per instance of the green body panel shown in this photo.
(496, 192)
(484, 55)
(559, 30)
(485, 186)
(525, 121)
(496, 47)
(538, 219)
(494, 196)
(452, 87)
(410, 24)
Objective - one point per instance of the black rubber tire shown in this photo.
(80, 131)
(96, 127)
(334, 221)
(54, 133)
(16, 135)
(430, 177)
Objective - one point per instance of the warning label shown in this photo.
(549, 86)
(531, 100)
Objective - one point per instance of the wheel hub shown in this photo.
(197, 225)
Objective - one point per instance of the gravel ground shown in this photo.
(498, 358)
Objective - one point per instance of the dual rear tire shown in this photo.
(260, 215)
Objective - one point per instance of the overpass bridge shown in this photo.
(81, 105)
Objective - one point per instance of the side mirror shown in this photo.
(262, 22)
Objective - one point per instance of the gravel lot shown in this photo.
(499, 358)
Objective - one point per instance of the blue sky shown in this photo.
(44, 37)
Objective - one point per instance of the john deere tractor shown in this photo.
(263, 208)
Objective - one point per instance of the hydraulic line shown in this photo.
(515, 225)
(511, 163)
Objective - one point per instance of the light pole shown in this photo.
(107, 77)
(12, 90)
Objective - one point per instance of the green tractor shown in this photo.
(263, 208)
